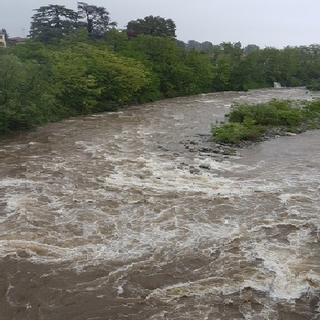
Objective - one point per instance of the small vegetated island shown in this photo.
(254, 123)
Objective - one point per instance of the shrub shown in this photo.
(290, 117)
(233, 133)
(239, 112)
(314, 85)
(313, 106)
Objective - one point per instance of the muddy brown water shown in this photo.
(109, 216)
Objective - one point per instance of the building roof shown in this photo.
(17, 39)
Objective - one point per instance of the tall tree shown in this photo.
(251, 48)
(97, 19)
(193, 45)
(154, 26)
(52, 22)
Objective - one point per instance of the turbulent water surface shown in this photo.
(110, 217)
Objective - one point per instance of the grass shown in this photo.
(248, 122)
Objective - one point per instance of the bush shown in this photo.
(239, 112)
(313, 106)
(233, 133)
(272, 113)
(265, 114)
(290, 118)
(314, 85)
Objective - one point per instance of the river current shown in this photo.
(110, 216)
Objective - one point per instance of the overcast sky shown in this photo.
(276, 23)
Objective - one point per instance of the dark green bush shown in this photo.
(233, 133)
(314, 85)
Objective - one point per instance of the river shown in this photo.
(110, 216)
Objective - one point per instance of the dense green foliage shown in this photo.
(232, 133)
(96, 19)
(77, 62)
(314, 85)
(52, 22)
(249, 122)
(153, 26)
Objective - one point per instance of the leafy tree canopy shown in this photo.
(251, 48)
(97, 19)
(150, 25)
(52, 22)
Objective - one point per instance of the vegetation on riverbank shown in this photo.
(314, 85)
(253, 122)
(78, 62)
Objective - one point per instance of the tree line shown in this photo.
(78, 62)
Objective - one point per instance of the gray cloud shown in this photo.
(262, 22)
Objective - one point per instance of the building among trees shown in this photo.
(3, 42)
(16, 41)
